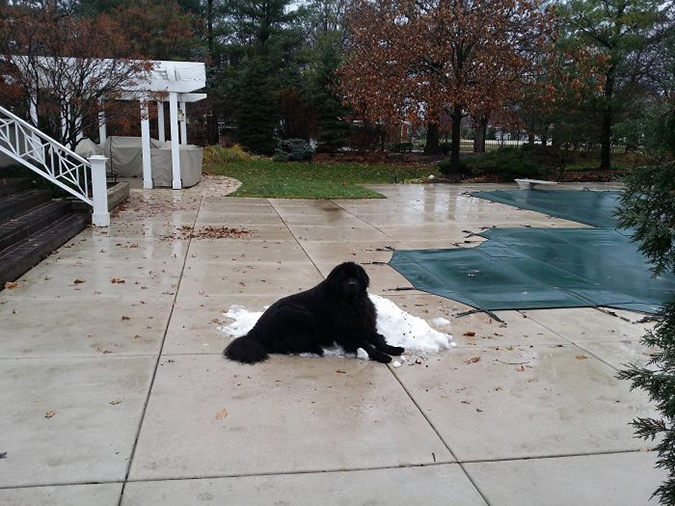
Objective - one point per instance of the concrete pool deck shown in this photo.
(114, 390)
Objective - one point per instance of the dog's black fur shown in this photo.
(336, 311)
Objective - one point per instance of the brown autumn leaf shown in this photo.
(124, 317)
(50, 414)
(78, 281)
(472, 360)
(114, 403)
(341, 372)
(581, 357)
(470, 333)
(9, 285)
(221, 414)
(117, 281)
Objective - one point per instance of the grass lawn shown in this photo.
(265, 178)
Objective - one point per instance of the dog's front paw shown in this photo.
(381, 357)
(396, 350)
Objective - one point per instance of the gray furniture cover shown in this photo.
(126, 159)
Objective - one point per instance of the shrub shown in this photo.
(445, 148)
(401, 147)
(214, 155)
(512, 162)
(293, 150)
(444, 167)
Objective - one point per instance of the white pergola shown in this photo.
(169, 81)
(174, 82)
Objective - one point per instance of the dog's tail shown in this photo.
(246, 349)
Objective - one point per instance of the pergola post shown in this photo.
(145, 145)
(33, 113)
(160, 121)
(100, 217)
(39, 154)
(175, 151)
(64, 123)
(78, 126)
(102, 133)
(183, 124)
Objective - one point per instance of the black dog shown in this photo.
(336, 311)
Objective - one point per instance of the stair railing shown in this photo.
(82, 178)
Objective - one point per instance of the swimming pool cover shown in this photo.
(537, 268)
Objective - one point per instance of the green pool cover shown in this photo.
(535, 268)
(590, 207)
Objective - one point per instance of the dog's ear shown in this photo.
(363, 277)
(336, 275)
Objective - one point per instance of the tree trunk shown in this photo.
(432, 146)
(212, 127)
(209, 26)
(530, 139)
(479, 134)
(456, 140)
(606, 132)
(555, 139)
(212, 115)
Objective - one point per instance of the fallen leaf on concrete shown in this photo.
(78, 281)
(124, 317)
(581, 357)
(114, 403)
(117, 281)
(3, 455)
(469, 333)
(50, 414)
(11, 284)
(221, 414)
(341, 372)
(472, 360)
(210, 232)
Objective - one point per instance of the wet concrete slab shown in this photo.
(289, 414)
(433, 485)
(331, 430)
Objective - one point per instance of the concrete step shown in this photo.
(11, 185)
(25, 254)
(18, 203)
(35, 219)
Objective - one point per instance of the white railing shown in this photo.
(84, 179)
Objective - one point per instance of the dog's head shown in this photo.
(348, 280)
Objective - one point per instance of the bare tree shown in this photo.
(66, 68)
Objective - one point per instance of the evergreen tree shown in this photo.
(256, 38)
(623, 33)
(257, 117)
(326, 97)
(649, 210)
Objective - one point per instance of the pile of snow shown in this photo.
(403, 329)
(244, 320)
(398, 327)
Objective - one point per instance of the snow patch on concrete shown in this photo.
(397, 326)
